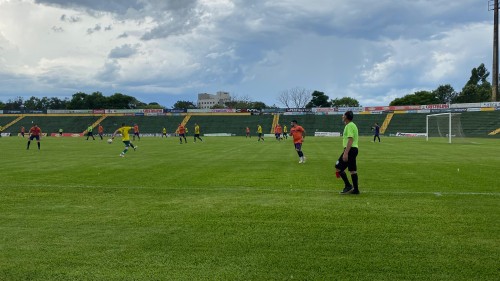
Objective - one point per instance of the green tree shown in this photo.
(152, 105)
(15, 104)
(181, 104)
(56, 103)
(121, 101)
(477, 89)
(77, 101)
(345, 102)
(417, 98)
(445, 94)
(33, 103)
(319, 99)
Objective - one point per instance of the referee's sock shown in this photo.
(344, 178)
(354, 178)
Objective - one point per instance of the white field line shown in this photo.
(251, 189)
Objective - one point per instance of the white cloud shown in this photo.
(254, 48)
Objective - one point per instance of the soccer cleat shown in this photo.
(304, 159)
(122, 155)
(347, 190)
(135, 147)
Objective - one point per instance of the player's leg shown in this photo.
(352, 167)
(340, 167)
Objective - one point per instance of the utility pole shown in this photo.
(494, 7)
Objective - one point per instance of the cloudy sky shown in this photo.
(168, 50)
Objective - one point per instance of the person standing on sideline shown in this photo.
(197, 132)
(35, 133)
(181, 130)
(348, 157)
(61, 132)
(298, 134)
(247, 131)
(124, 131)
(136, 132)
(259, 132)
(164, 133)
(89, 132)
(22, 131)
(285, 132)
(100, 131)
(376, 132)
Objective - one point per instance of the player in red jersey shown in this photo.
(181, 130)
(35, 133)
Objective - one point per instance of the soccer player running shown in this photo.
(89, 132)
(348, 157)
(247, 131)
(124, 131)
(259, 132)
(100, 131)
(376, 132)
(136, 132)
(298, 134)
(285, 132)
(197, 132)
(22, 131)
(35, 133)
(277, 132)
(181, 130)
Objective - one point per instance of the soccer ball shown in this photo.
(110, 141)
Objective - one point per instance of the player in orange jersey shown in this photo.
(298, 133)
(100, 131)
(35, 133)
(136, 132)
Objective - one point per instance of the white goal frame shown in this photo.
(450, 114)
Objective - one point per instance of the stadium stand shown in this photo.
(147, 124)
(232, 124)
(51, 124)
(474, 124)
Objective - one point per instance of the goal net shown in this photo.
(444, 125)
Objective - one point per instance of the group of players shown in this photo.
(347, 159)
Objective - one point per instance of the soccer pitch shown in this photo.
(236, 209)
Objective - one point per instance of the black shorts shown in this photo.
(351, 160)
(34, 137)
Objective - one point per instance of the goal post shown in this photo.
(441, 125)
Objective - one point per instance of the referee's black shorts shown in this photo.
(351, 160)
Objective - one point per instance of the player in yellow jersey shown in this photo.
(197, 132)
(124, 131)
(259, 132)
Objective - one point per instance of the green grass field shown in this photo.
(235, 209)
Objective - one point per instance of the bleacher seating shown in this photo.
(52, 124)
(147, 124)
(474, 124)
(231, 124)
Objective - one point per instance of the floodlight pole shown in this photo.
(494, 88)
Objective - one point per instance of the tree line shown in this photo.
(477, 89)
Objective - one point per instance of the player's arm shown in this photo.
(114, 134)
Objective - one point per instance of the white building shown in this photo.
(208, 101)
